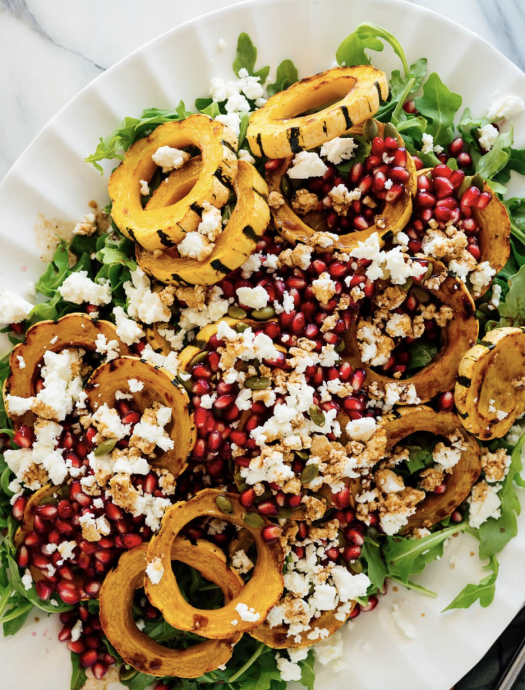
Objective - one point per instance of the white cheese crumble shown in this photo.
(135, 386)
(484, 503)
(247, 614)
(76, 631)
(27, 579)
(169, 158)
(13, 308)
(505, 107)
(487, 136)
(339, 149)
(361, 429)
(128, 330)
(79, 288)
(256, 297)
(195, 246)
(144, 188)
(144, 305)
(155, 571)
(306, 164)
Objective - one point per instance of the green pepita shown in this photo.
(49, 501)
(390, 131)
(237, 313)
(199, 357)
(253, 520)
(466, 184)
(241, 327)
(286, 187)
(420, 294)
(407, 285)
(263, 314)
(316, 415)
(309, 473)
(105, 447)
(430, 271)
(284, 514)
(477, 181)
(370, 129)
(341, 539)
(340, 346)
(302, 454)
(357, 567)
(127, 672)
(257, 383)
(224, 505)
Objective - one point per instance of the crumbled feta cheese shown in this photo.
(287, 669)
(144, 188)
(427, 143)
(231, 120)
(256, 297)
(211, 222)
(110, 349)
(505, 107)
(109, 424)
(128, 330)
(155, 571)
(481, 276)
(135, 386)
(484, 503)
(13, 308)
(195, 246)
(339, 149)
(79, 288)
(27, 579)
(76, 631)
(361, 429)
(144, 305)
(241, 562)
(247, 614)
(306, 164)
(169, 158)
(487, 136)
(246, 156)
(86, 226)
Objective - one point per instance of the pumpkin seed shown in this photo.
(341, 539)
(430, 271)
(407, 285)
(199, 357)
(242, 486)
(477, 181)
(316, 415)
(309, 473)
(224, 505)
(302, 454)
(253, 520)
(105, 447)
(285, 186)
(49, 501)
(263, 314)
(237, 313)
(420, 294)
(187, 384)
(127, 672)
(466, 184)
(390, 131)
(257, 383)
(370, 129)
(241, 327)
(357, 567)
(340, 346)
(284, 514)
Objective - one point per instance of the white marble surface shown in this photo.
(51, 50)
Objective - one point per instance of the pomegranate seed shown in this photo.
(131, 418)
(63, 526)
(19, 508)
(69, 593)
(342, 498)
(372, 603)
(440, 489)
(23, 557)
(457, 516)
(267, 508)
(213, 361)
(425, 199)
(379, 182)
(456, 147)
(394, 193)
(332, 553)
(92, 641)
(201, 387)
(470, 197)
(423, 183)
(464, 160)
(43, 590)
(446, 401)
(443, 214)
(223, 402)
(92, 588)
(247, 498)
(399, 174)
(99, 670)
(418, 162)
(105, 557)
(475, 251)
(88, 658)
(484, 199)
(360, 223)
(366, 184)
(355, 536)
(470, 225)
(65, 634)
(32, 539)
(351, 553)
(271, 533)
(24, 437)
(443, 187)
(391, 144)
(378, 145)
(358, 378)
(410, 107)
(272, 165)
(77, 647)
(84, 500)
(294, 500)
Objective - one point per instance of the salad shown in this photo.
(277, 372)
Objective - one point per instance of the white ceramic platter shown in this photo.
(51, 181)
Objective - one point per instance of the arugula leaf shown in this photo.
(515, 162)
(78, 674)
(246, 57)
(308, 671)
(512, 310)
(140, 681)
(12, 626)
(482, 592)
(400, 90)
(495, 534)
(287, 75)
(496, 159)
(468, 125)
(421, 354)
(371, 36)
(439, 105)
(55, 272)
(405, 557)
(130, 130)
(377, 570)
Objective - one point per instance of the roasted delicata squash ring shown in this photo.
(278, 129)
(395, 215)
(436, 507)
(458, 336)
(139, 650)
(261, 593)
(177, 185)
(491, 381)
(494, 233)
(72, 330)
(158, 228)
(235, 244)
(160, 387)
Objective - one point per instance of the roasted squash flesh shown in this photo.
(158, 387)
(436, 507)
(394, 217)
(490, 389)
(457, 337)
(71, 331)
(260, 594)
(279, 129)
(235, 244)
(139, 650)
(158, 228)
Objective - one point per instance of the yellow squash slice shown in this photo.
(139, 650)
(279, 128)
(394, 217)
(260, 594)
(235, 244)
(457, 337)
(71, 331)
(490, 388)
(160, 387)
(163, 227)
